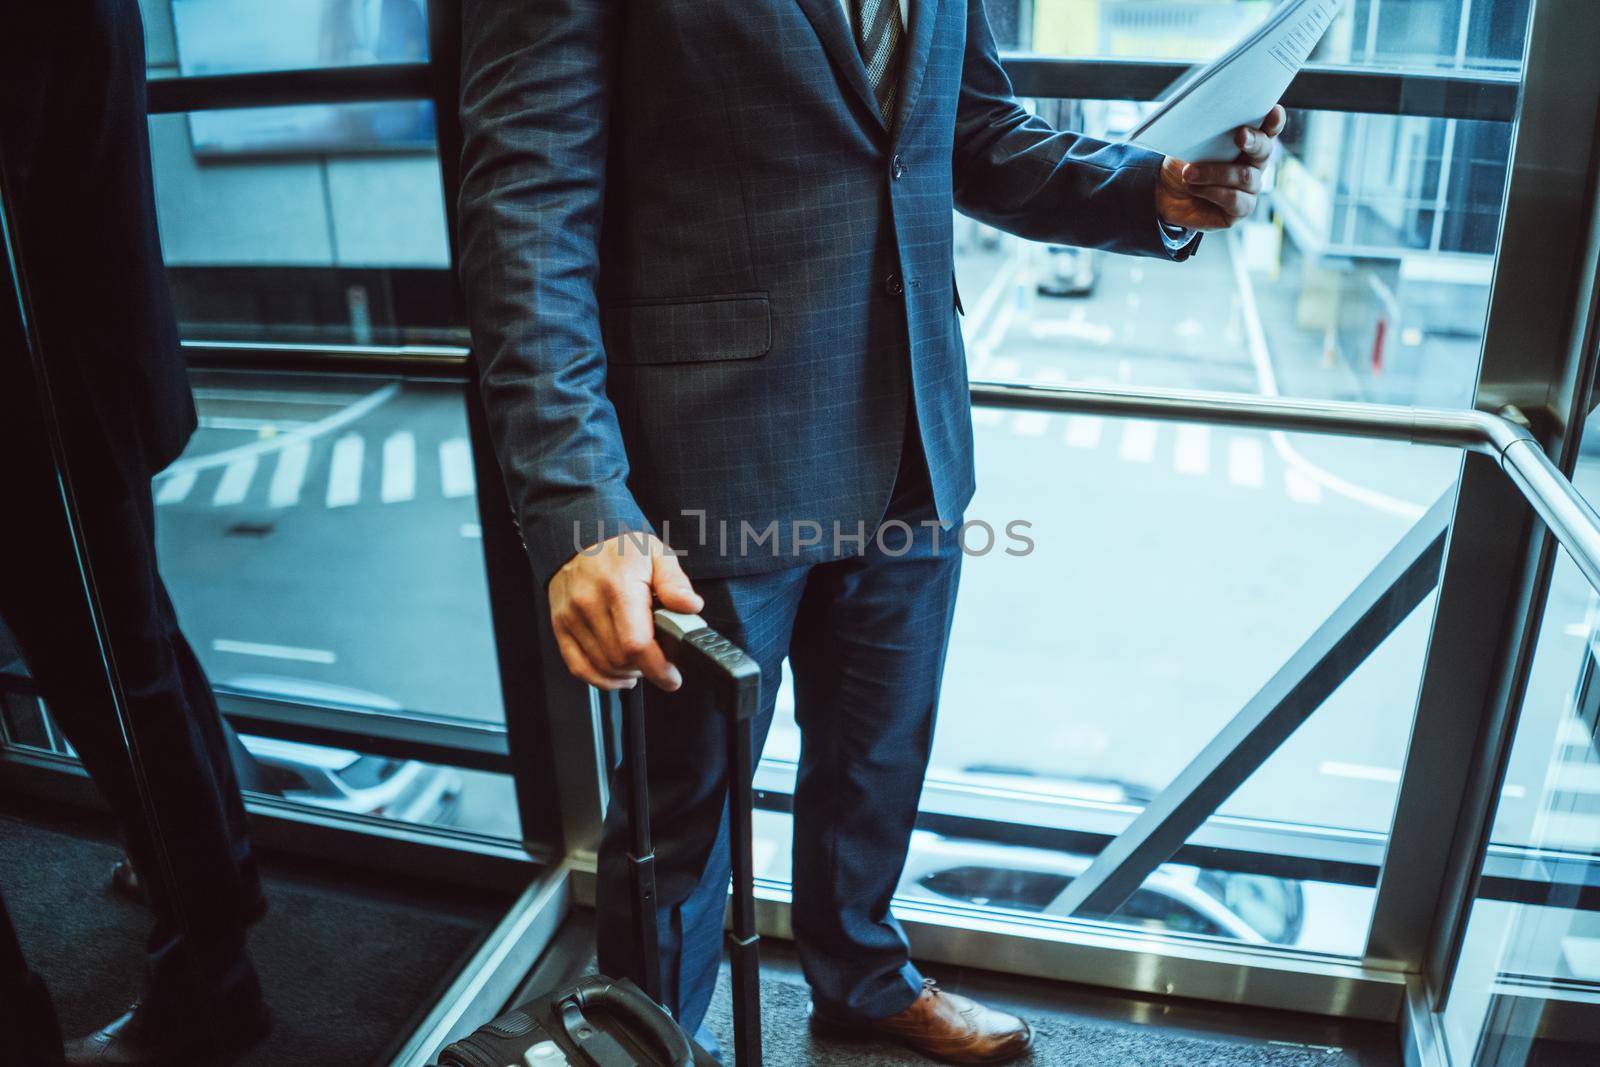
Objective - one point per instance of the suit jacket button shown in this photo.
(899, 167)
(894, 286)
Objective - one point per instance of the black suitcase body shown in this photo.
(603, 1022)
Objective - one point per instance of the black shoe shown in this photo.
(135, 1040)
(126, 882)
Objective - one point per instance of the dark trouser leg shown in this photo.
(868, 654)
(28, 1030)
(685, 738)
(213, 734)
(41, 598)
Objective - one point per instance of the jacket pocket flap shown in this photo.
(697, 330)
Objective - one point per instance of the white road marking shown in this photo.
(1191, 452)
(992, 336)
(1083, 431)
(1245, 462)
(1360, 771)
(175, 487)
(1036, 423)
(973, 322)
(252, 648)
(235, 483)
(399, 467)
(455, 467)
(1075, 326)
(290, 475)
(1267, 383)
(344, 479)
(472, 530)
(278, 396)
(1302, 490)
(1030, 423)
(232, 422)
(338, 419)
(1138, 441)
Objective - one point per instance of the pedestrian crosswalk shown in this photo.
(344, 476)
(290, 475)
(334, 474)
(1191, 451)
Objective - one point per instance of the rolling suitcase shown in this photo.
(602, 1022)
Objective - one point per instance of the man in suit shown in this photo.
(706, 248)
(80, 223)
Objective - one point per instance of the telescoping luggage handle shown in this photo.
(704, 658)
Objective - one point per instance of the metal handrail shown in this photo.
(1570, 518)
(1448, 93)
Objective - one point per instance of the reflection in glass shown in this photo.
(320, 778)
(234, 36)
(335, 244)
(1528, 983)
(1471, 34)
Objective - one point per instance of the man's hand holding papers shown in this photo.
(1214, 196)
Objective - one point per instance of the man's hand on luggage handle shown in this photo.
(601, 604)
(1215, 196)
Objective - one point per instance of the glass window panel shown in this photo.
(1528, 982)
(320, 537)
(193, 37)
(1561, 710)
(321, 778)
(281, 224)
(1175, 569)
(1471, 34)
(1364, 275)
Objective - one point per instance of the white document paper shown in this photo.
(1196, 120)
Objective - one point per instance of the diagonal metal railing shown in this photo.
(1351, 633)
(1389, 593)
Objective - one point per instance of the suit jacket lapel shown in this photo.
(828, 19)
(916, 58)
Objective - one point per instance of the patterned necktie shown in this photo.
(878, 34)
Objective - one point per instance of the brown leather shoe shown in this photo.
(942, 1026)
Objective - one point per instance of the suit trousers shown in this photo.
(866, 637)
(197, 947)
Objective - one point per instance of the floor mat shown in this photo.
(347, 976)
(1059, 1041)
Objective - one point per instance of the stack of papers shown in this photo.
(1196, 120)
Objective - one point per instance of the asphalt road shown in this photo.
(320, 537)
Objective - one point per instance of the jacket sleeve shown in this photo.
(1014, 172)
(536, 89)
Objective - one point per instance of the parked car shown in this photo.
(355, 783)
(341, 779)
(1251, 908)
(1067, 271)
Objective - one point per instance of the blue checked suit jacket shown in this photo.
(704, 279)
